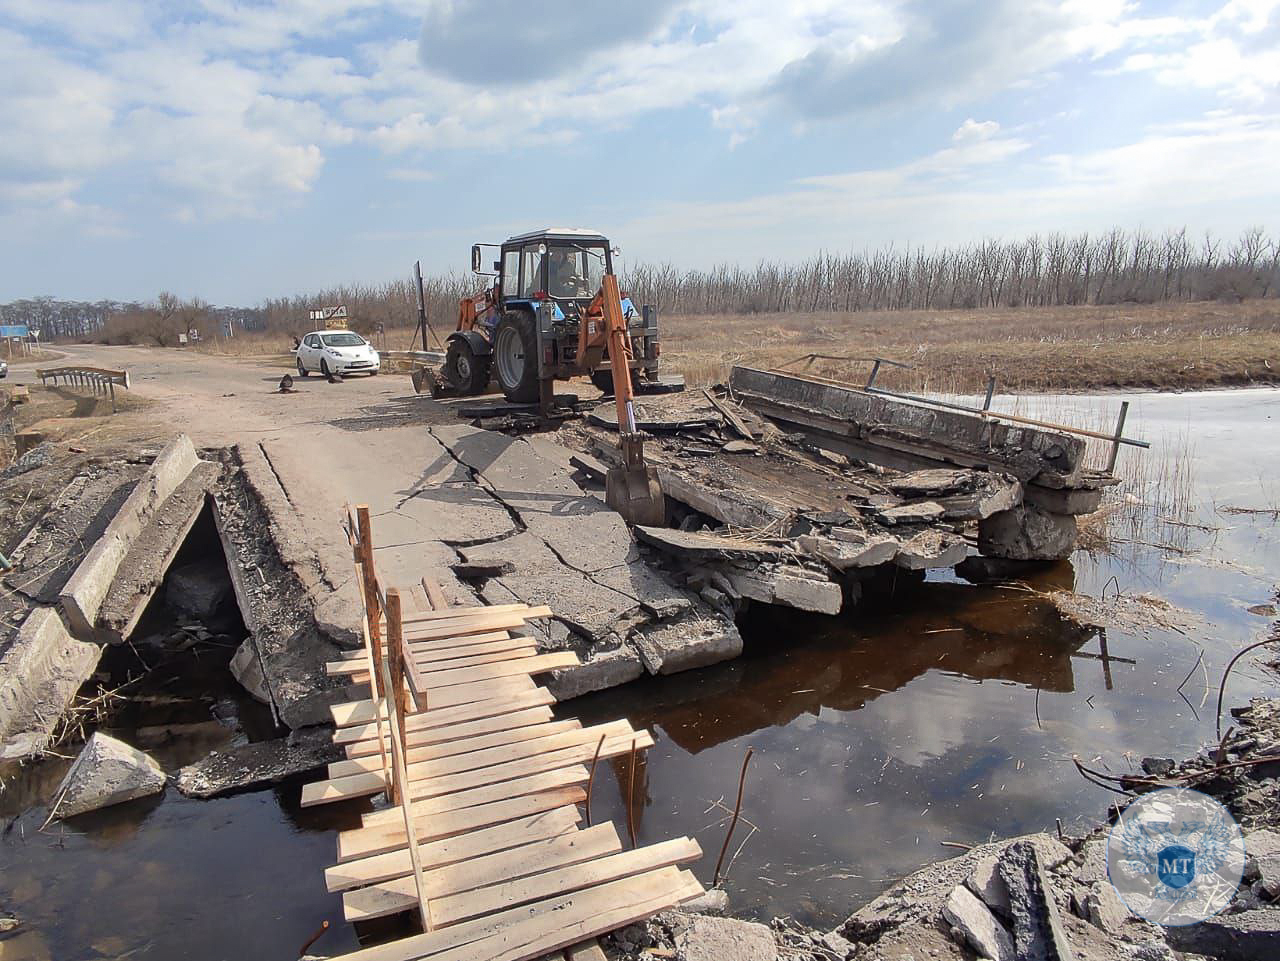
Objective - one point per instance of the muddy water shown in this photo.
(936, 712)
(949, 712)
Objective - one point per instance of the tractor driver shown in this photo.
(565, 279)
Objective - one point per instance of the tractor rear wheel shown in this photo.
(467, 372)
(603, 380)
(515, 353)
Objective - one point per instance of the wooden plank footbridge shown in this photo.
(483, 837)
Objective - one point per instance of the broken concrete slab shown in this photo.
(985, 882)
(256, 765)
(687, 644)
(977, 925)
(1250, 936)
(57, 543)
(931, 550)
(1027, 533)
(788, 586)
(931, 483)
(846, 554)
(85, 590)
(707, 938)
(107, 772)
(603, 669)
(1074, 501)
(924, 512)
(246, 667)
(881, 427)
(40, 673)
(1037, 929)
(705, 545)
(144, 566)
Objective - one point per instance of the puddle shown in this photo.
(946, 713)
(954, 714)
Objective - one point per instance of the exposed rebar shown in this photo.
(631, 791)
(737, 810)
(591, 778)
(1223, 686)
(324, 926)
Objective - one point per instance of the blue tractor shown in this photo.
(543, 319)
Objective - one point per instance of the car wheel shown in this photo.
(302, 371)
(324, 369)
(515, 351)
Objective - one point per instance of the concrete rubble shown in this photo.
(258, 764)
(107, 772)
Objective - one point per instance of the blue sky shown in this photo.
(240, 150)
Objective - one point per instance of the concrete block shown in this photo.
(107, 772)
(707, 938)
(604, 670)
(1027, 533)
(85, 590)
(40, 674)
(931, 550)
(687, 644)
(964, 912)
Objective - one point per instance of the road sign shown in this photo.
(13, 330)
(333, 318)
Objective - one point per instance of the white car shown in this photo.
(338, 352)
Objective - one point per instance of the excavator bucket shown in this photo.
(636, 494)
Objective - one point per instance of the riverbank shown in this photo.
(1039, 895)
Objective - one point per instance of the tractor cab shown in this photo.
(528, 327)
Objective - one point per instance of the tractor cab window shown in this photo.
(531, 271)
(576, 272)
(511, 273)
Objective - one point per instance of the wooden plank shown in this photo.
(458, 745)
(586, 951)
(615, 747)
(397, 894)
(355, 718)
(457, 643)
(362, 712)
(509, 651)
(436, 596)
(451, 850)
(362, 842)
(734, 420)
(443, 775)
(468, 729)
(450, 909)
(425, 656)
(462, 627)
(501, 791)
(530, 931)
(488, 672)
(443, 613)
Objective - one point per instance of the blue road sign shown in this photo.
(13, 330)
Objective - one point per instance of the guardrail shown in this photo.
(100, 380)
(405, 361)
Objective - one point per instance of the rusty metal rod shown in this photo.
(1223, 686)
(591, 778)
(737, 809)
(631, 792)
(324, 926)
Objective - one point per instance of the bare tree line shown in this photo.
(1052, 270)
(1038, 271)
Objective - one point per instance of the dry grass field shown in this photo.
(1161, 346)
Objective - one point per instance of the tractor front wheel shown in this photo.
(515, 352)
(467, 372)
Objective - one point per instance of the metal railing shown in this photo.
(100, 380)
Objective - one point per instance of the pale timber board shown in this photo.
(451, 783)
(491, 653)
(473, 625)
(504, 790)
(396, 895)
(438, 680)
(452, 850)
(467, 729)
(434, 717)
(587, 951)
(361, 712)
(451, 909)
(459, 745)
(532, 930)
(362, 842)
(462, 643)
(431, 778)
(419, 617)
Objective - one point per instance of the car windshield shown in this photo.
(342, 340)
(576, 271)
